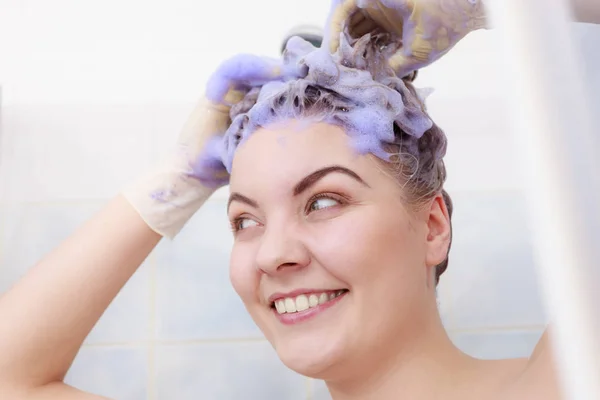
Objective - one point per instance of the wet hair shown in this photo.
(383, 114)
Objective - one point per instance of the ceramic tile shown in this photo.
(195, 299)
(225, 371)
(491, 273)
(76, 152)
(497, 345)
(319, 390)
(113, 372)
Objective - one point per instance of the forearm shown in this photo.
(52, 391)
(46, 316)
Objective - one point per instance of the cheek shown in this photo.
(364, 245)
(242, 274)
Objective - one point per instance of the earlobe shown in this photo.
(439, 231)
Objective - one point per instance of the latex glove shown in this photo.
(169, 196)
(424, 30)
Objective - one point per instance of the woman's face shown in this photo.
(327, 258)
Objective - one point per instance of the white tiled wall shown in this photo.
(92, 97)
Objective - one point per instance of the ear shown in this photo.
(439, 231)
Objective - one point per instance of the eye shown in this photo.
(242, 223)
(320, 203)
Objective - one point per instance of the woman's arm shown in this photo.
(53, 391)
(586, 11)
(47, 315)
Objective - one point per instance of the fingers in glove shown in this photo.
(387, 20)
(403, 65)
(242, 72)
(209, 169)
(206, 119)
(360, 24)
(341, 13)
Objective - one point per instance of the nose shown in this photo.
(281, 249)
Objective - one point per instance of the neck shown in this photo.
(427, 366)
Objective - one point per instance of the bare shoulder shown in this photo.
(538, 379)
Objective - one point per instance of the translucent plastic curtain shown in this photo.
(560, 154)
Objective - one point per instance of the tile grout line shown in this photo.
(309, 392)
(176, 342)
(212, 341)
(81, 201)
(151, 378)
(136, 344)
(498, 329)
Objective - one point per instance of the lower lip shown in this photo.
(298, 317)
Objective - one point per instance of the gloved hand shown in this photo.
(425, 30)
(169, 196)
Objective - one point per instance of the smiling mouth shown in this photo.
(303, 302)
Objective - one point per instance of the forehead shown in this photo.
(291, 150)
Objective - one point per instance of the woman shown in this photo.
(336, 255)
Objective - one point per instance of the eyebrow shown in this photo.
(304, 184)
(242, 199)
(319, 174)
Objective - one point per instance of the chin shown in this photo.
(310, 356)
(311, 342)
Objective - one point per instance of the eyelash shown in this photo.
(235, 224)
(319, 196)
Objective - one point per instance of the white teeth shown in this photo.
(323, 298)
(290, 305)
(301, 303)
(304, 302)
(280, 306)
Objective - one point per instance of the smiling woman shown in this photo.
(342, 233)
(345, 227)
